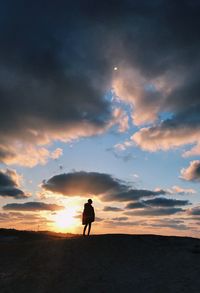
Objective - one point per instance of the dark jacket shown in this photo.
(88, 214)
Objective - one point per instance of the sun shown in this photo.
(65, 220)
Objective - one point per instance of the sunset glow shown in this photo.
(65, 221)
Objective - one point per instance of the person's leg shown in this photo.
(84, 229)
(89, 228)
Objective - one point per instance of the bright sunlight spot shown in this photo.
(65, 221)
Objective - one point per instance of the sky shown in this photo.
(101, 100)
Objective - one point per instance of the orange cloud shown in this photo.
(28, 148)
(195, 151)
(161, 138)
(29, 155)
(182, 191)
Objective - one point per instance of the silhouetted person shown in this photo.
(88, 216)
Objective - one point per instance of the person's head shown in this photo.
(89, 201)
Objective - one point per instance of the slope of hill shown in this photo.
(42, 263)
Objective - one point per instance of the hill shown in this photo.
(46, 263)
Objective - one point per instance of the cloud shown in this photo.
(4, 217)
(9, 184)
(55, 81)
(155, 212)
(157, 202)
(125, 157)
(32, 206)
(53, 84)
(100, 184)
(156, 207)
(120, 219)
(178, 129)
(82, 183)
(57, 153)
(122, 119)
(168, 135)
(28, 155)
(112, 209)
(18, 220)
(123, 146)
(191, 173)
(129, 85)
(98, 219)
(163, 88)
(133, 194)
(114, 223)
(135, 205)
(165, 202)
(195, 211)
(194, 151)
(182, 191)
(170, 223)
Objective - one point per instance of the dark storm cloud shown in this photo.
(32, 206)
(93, 183)
(57, 64)
(9, 186)
(53, 77)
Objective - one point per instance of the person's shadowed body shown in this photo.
(88, 216)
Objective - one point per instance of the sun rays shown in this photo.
(66, 221)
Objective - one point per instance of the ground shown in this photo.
(42, 263)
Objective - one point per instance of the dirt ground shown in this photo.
(102, 263)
